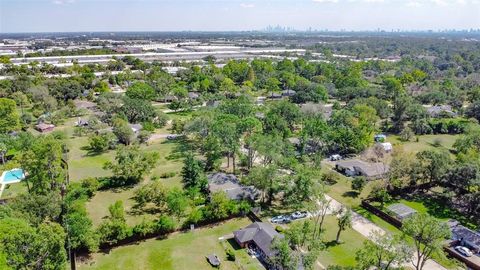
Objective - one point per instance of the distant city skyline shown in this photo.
(236, 15)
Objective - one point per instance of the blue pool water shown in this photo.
(13, 176)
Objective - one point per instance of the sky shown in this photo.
(235, 15)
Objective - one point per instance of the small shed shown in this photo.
(42, 127)
(401, 211)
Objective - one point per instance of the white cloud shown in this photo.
(63, 2)
(440, 2)
(414, 4)
(325, 1)
(247, 5)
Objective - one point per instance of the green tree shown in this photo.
(193, 174)
(138, 110)
(384, 252)
(123, 131)
(28, 247)
(9, 118)
(131, 164)
(284, 257)
(428, 236)
(115, 228)
(264, 179)
(177, 202)
(37, 208)
(101, 142)
(344, 218)
(140, 90)
(44, 165)
(433, 164)
(358, 183)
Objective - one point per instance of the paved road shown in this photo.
(365, 227)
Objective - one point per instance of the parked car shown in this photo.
(464, 251)
(281, 219)
(299, 214)
(335, 157)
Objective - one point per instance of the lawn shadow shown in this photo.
(181, 147)
(330, 244)
(351, 194)
(233, 244)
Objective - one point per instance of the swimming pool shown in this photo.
(12, 176)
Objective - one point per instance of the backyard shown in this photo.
(178, 251)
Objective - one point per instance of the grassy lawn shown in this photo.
(241, 256)
(341, 191)
(436, 208)
(12, 190)
(339, 254)
(97, 207)
(425, 142)
(178, 251)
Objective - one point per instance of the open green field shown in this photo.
(97, 207)
(339, 254)
(425, 142)
(177, 251)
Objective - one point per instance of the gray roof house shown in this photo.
(288, 93)
(231, 186)
(439, 110)
(193, 95)
(467, 237)
(136, 127)
(275, 96)
(356, 167)
(259, 235)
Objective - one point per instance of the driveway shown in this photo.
(365, 227)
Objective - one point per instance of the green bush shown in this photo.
(144, 228)
(90, 185)
(165, 224)
(168, 174)
(230, 255)
(279, 229)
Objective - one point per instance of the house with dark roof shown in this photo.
(356, 167)
(466, 237)
(193, 95)
(441, 110)
(43, 127)
(258, 236)
(275, 96)
(230, 184)
(288, 93)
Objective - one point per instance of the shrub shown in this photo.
(90, 185)
(330, 178)
(144, 228)
(358, 183)
(230, 254)
(279, 229)
(165, 224)
(168, 174)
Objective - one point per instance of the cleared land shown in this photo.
(178, 251)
